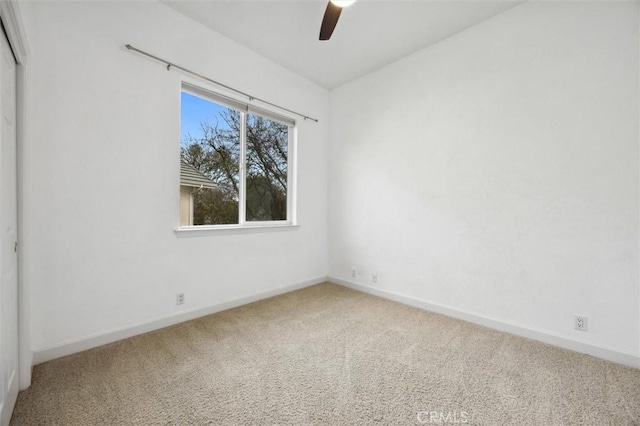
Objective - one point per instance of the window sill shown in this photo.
(201, 231)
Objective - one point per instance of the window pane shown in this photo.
(210, 158)
(266, 181)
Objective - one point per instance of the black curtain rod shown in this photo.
(251, 98)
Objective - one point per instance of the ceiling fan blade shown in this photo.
(329, 21)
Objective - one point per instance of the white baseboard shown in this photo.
(563, 342)
(78, 345)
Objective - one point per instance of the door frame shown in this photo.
(11, 19)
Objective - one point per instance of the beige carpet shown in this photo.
(327, 355)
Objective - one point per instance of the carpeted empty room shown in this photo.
(319, 212)
(328, 355)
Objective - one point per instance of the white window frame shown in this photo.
(245, 108)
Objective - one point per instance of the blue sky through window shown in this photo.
(195, 110)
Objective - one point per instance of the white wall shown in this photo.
(101, 201)
(496, 173)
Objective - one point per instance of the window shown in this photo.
(235, 163)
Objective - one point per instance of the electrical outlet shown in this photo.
(353, 272)
(581, 323)
(374, 277)
(179, 298)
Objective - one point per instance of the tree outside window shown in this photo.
(212, 143)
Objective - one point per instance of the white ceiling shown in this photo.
(369, 34)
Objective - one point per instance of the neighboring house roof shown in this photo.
(190, 176)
